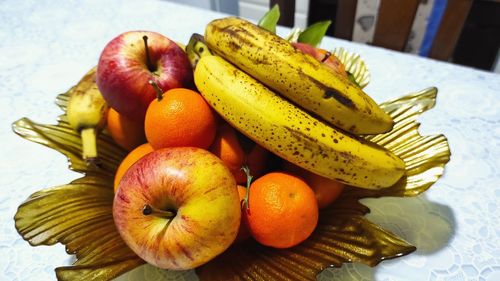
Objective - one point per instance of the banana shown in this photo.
(86, 114)
(196, 48)
(290, 132)
(297, 76)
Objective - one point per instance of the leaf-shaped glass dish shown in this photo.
(79, 214)
(354, 65)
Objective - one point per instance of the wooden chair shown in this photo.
(394, 22)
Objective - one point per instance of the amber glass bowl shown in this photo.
(79, 214)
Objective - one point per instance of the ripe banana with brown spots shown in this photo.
(297, 76)
(290, 132)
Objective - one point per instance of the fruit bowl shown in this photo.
(79, 214)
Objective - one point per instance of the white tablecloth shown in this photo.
(46, 46)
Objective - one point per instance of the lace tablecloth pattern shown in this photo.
(48, 45)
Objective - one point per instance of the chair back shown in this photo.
(394, 22)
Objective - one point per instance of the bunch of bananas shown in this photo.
(292, 104)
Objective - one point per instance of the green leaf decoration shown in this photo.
(79, 214)
(270, 19)
(314, 33)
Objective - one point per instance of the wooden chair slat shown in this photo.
(344, 19)
(449, 29)
(394, 21)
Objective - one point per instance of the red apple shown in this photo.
(323, 56)
(130, 60)
(177, 208)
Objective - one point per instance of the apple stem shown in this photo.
(148, 210)
(150, 65)
(327, 55)
(159, 92)
(249, 181)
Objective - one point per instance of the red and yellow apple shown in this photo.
(130, 61)
(177, 208)
(323, 56)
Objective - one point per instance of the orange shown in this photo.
(180, 118)
(256, 161)
(325, 189)
(227, 147)
(130, 160)
(243, 233)
(126, 132)
(282, 210)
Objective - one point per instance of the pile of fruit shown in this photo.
(239, 135)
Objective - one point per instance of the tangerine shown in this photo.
(282, 210)
(127, 133)
(130, 160)
(227, 147)
(325, 189)
(243, 232)
(180, 117)
(256, 160)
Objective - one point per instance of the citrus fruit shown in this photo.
(243, 233)
(325, 189)
(282, 210)
(256, 160)
(227, 147)
(181, 117)
(126, 132)
(129, 160)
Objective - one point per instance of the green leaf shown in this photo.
(313, 34)
(270, 19)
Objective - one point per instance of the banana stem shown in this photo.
(89, 146)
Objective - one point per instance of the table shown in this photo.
(48, 45)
